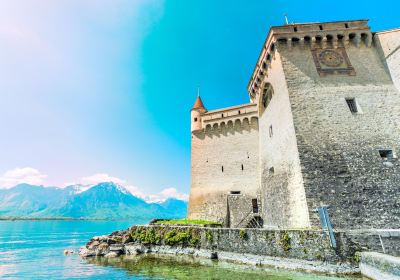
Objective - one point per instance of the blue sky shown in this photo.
(97, 90)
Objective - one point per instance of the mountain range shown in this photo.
(103, 201)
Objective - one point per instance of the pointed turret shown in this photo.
(198, 104)
(196, 112)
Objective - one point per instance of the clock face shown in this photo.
(331, 58)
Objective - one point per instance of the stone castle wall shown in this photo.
(339, 150)
(224, 160)
(389, 45)
(307, 149)
(284, 202)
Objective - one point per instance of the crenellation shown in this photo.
(333, 34)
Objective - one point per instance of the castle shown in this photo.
(322, 129)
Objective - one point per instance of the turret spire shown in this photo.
(198, 104)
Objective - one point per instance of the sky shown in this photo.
(101, 90)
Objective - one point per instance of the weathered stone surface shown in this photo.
(295, 249)
(224, 160)
(298, 244)
(380, 266)
(112, 254)
(306, 147)
(117, 247)
(134, 248)
(85, 252)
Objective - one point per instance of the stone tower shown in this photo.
(196, 112)
(335, 116)
(324, 119)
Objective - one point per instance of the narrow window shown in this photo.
(270, 131)
(222, 168)
(254, 203)
(346, 25)
(321, 27)
(242, 167)
(267, 96)
(239, 112)
(295, 29)
(222, 115)
(351, 102)
(271, 171)
(386, 154)
(195, 119)
(235, 192)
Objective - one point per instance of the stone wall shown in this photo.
(379, 266)
(339, 150)
(381, 241)
(389, 45)
(294, 244)
(284, 202)
(224, 160)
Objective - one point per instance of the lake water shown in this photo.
(34, 250)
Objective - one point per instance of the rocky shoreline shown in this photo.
(292, 250)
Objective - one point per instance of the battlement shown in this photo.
(230, 116)
(312, 35)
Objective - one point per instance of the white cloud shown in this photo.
(100, 178)
(173, 193)
(165, 194)
(17, 176)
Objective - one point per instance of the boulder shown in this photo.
(93, 245)
(84, 252)
(102, 249)
(112, 255)
(134, 249)
(116, 248)
(126, 238)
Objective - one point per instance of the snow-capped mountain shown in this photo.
(103, 201)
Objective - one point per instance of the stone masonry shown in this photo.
(321, 129)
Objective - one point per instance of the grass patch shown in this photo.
(187, 222)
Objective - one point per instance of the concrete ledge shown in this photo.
(380, 266)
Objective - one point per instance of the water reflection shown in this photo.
(180, 267)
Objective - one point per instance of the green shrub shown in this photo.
(187, 222)
(169, 237)
(194, 241)
(243, 233)
(357, 257)
(285, 242)
(209, 235)
(174, 237)
(138, 234)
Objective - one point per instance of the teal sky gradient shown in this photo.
(93, 87)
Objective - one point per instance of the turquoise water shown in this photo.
(34, 250)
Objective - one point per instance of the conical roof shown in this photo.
(198, 104)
